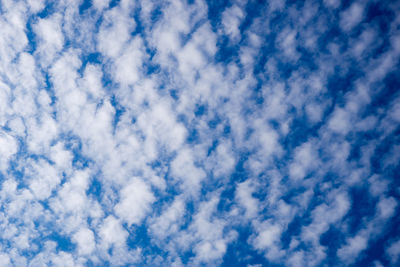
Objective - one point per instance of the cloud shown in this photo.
(231, 21)
(50, 38)
(393, 252)
(136, 200)
(171, 219)
(190, 133)
(304, 160)
(354, 246)
(244, 195)
(112, 233)
(351, 16)
(85, 240)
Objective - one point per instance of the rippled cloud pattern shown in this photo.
(199, 133)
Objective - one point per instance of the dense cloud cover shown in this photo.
(199, 133)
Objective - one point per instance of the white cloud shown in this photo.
(268, 238)
(50, 38)
(111, 232)
(386, 207)
(41, 132)
(168, 223)
(339, 121)
(268, 235)
(231, 21)
(61, 157)
(136, 200)
(393, 252)
(114, 32)
(36, 5)
(244, 193)
(8, 147)
(62, 259)
(85, 239)
(364, 42)
(305, 158)
(332, 3)
(71, 198)
(352, 16)
(5, 260)
(101, 4)
(97, 110)
(209, 233)
(322, 217)
(13, 38)
(91, 82)
(287, 42)
(222, 161)
(44, 178)
(127, 66)
(314, 112)
(352, 249)
(183, 168)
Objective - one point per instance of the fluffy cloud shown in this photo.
(199, 133)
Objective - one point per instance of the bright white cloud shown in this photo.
(136, 200)
(198, 133)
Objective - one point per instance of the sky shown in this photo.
(199, 133)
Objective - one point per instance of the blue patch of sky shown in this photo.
(215, 9)
(383, 149)
(226, 201)
(388, 91)
(193, 136)
(156, 14)
(332, 240)
(293, 230)
(300, 132)
(240, 174)
(377, 245)
(64, 243)
(381, 15)
(240, 254)
(32, 44)
(361, 209)
(114, 3)
(49, 9)
(119, 111)
(85, 5)
(87, 57)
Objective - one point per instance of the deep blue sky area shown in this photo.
(199, 133)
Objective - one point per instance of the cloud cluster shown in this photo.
(174, 133)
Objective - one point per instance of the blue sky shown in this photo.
(199, 133)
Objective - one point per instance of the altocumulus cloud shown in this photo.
(199, 133)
